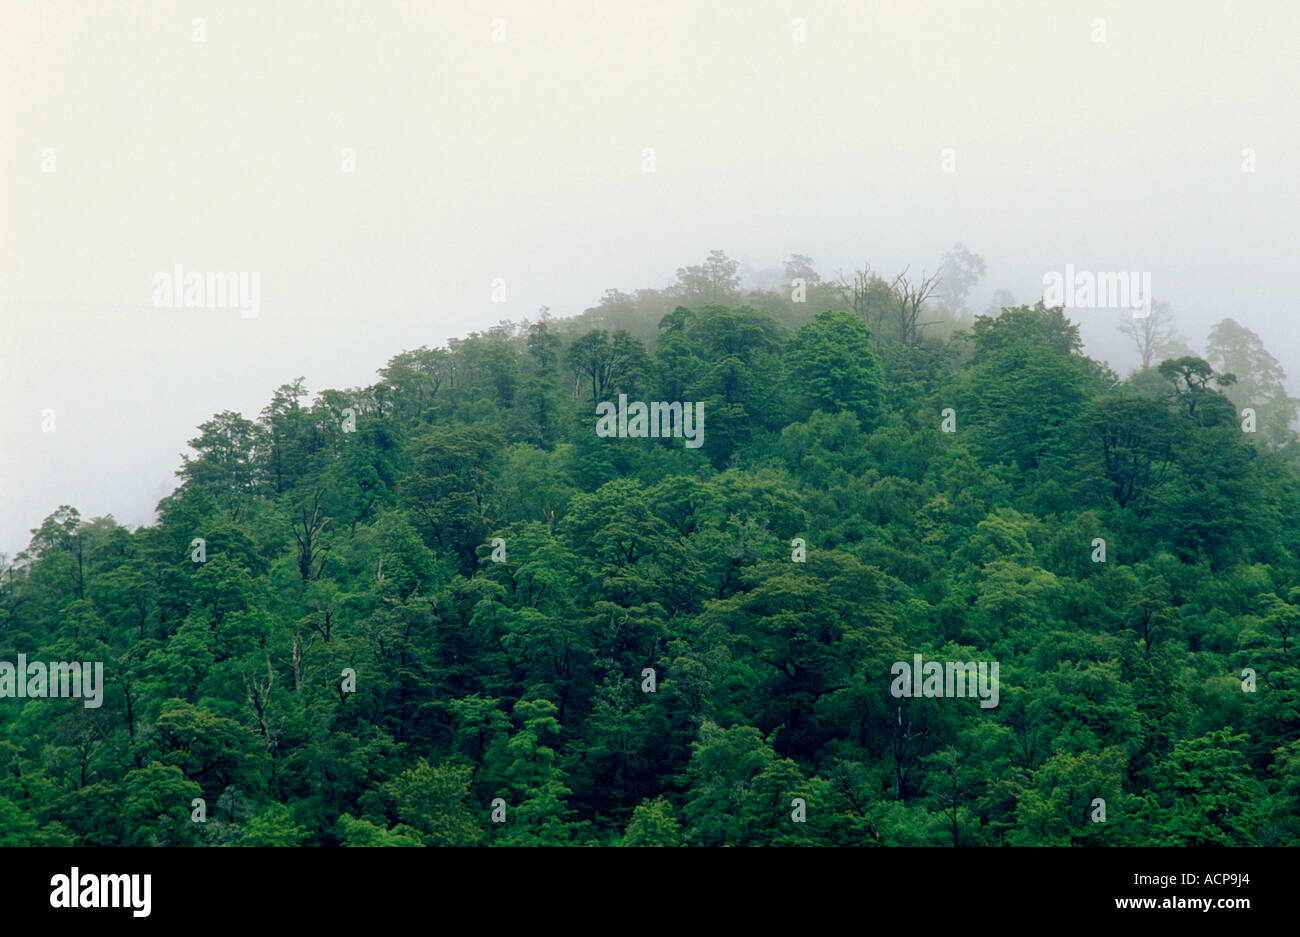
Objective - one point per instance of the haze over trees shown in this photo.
(502, 583)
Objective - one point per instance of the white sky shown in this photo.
(522, 160)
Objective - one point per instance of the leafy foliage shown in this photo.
(517, 670)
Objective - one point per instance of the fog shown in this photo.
(132, 148)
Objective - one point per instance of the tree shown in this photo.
(653, 823)
(1058, 804)
(1193, 379)
(309, 526)
(283, 443)
(154, 807)
(833, 367)
(1134, 439)
(544, 345)
(869, 297)
(431, 799)
(958, 272)
(724, 764)
(412, 380)
(444, 493)
(540, 812)
(1260, 381)
(355, 832)
(274, 826)
(606, 364)
(714, 281)
(910, 298)
(1153, 336)
(1027, 385)
(801, 268)
(1204, 794)
(224, 465)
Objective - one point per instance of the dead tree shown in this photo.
(909, 300)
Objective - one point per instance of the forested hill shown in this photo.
(445, 610)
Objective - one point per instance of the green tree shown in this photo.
(431, 799)
(833, 367)
(654, 823)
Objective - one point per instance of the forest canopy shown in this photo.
(443, 610)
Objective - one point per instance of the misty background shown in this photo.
(523, 160)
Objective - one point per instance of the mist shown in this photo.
(508, 141)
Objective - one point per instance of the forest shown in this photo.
(444, 610)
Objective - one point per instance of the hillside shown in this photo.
(445, 610)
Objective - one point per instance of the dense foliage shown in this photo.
(355, 529)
